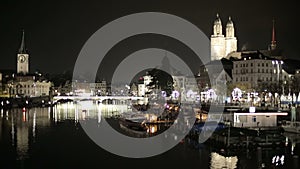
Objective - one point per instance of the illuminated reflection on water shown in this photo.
(51, 137)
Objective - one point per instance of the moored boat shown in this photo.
(132, 124)
(291, 127)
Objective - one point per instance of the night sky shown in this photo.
(56, 30)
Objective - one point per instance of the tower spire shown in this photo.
(22, 49)
(273, 42)
(217, 28)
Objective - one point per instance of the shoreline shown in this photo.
(27, 102)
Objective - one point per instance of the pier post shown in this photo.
(228, 137)
(295, 161)
(247, 142)
(259, 157)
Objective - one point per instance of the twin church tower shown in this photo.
(222, 45)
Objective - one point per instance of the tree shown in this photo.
(161, 80)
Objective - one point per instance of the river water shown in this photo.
(52, 137)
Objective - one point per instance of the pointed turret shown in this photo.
(273, 42)
(229, 23)
(218, 26)
(229, 28)
(22, 49)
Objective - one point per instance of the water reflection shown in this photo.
(21, 129)
(23, 125)
(219, 161)
(86, 110)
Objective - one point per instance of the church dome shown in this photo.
(218, 20)
(229, 23)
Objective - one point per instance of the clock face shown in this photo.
(22, 58)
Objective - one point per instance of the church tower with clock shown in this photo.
(23, 58)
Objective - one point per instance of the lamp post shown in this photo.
(9, 90)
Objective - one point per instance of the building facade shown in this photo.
(79, 88)
(29, 87)
(187, 88)
(143, 86)
(99, 88)
(255, 69)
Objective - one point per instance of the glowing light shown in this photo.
(252, 109)
(236, 93)
(34, 124)
(99, 115)
(152, 129)
(263, 114)
(76, 115)
(175, 94)
(24, 116)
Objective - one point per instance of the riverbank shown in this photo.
(42, 101)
